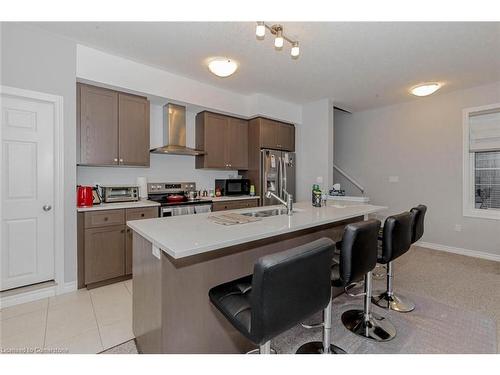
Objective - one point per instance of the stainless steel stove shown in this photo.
(174, 198)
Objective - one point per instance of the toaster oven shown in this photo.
(116, 193)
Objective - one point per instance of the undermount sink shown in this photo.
(267, 213)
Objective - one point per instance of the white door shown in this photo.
(27, 191)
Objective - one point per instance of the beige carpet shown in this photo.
(457, 281)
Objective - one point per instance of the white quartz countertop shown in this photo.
(118, 205)
(183, 236)
(232, 198)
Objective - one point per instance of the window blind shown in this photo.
(484, 131)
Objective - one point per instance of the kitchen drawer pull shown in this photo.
(142, 215)
(105, 218)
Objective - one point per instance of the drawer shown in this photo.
(104, 218)
(141, 213)
(235, 205)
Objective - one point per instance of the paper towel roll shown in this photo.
(142, 183)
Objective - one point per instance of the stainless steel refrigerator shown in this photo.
(277, 170)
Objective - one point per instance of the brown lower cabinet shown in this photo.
(105, 244)
(104, 253)
(235, 204)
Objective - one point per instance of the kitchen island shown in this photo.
(177, 260)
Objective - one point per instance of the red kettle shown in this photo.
(84, 196)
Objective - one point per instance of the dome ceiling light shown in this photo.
(425, 89)
(222, 66)
(280, 37)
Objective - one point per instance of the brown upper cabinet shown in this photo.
(112, 127)
(273, 134)
(224, 140)
(133, 130)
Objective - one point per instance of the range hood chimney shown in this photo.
(174, 132)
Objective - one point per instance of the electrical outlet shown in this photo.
(393, 178)
(458, 228)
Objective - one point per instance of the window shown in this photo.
(481, 132)
(487, 180)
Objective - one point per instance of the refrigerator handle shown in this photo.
(263, 182)
(285, 187)
(280, 178)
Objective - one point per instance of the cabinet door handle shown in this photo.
(106, 218)
(115, 160)
(128, 230)
(122, 231)
(121, 160)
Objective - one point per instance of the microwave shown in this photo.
(117, 193)
(233, 186)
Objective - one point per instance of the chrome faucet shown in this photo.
(288, 203)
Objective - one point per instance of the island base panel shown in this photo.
(171, 309)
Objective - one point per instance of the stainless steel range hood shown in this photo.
(174, 132)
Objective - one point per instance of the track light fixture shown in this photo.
(280, 37)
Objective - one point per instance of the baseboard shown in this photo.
(28, 296)
(67, 288)
(37, 294)
(460, 251)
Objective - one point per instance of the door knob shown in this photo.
(47, 207)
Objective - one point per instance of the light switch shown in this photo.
(393, 178)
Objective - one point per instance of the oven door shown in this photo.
(176, 211)
(202, 208)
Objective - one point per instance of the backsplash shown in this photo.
(164, 168)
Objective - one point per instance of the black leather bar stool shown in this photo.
(285, 288)
(418, 222)
(358, 257)
(396, 241)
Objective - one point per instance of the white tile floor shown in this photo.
(78, 322)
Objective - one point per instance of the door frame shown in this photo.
(59, 185)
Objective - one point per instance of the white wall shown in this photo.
(35, 60)
(421, 142)
(314, 143)
(163, 168)
(98, 66)
(162, 86)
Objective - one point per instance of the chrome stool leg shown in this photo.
(366, 323)
(388, 300)
(318, 347)
(263, 349)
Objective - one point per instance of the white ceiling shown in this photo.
(359, 65)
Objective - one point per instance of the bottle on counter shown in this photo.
(252, 190)
(316, 196)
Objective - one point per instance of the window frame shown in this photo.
(468, 200)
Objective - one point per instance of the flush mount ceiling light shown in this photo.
(280, 37)
(222, 66)
(425, 89)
